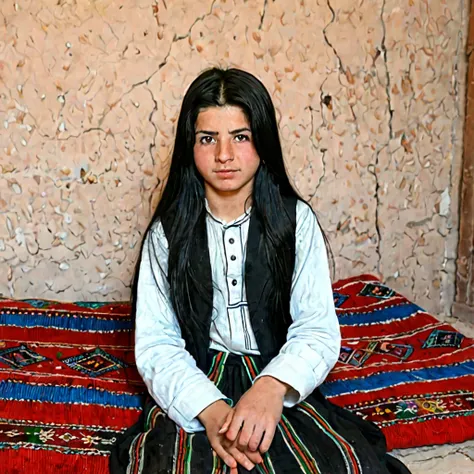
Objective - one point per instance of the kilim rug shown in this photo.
(68, 384)
(401, 368)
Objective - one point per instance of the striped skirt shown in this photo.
(314, 437)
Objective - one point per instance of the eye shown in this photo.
(207, 140)
(242, 138)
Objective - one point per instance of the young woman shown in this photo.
(235, 320)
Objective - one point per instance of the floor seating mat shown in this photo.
(69, 386)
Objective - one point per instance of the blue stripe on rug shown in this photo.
(402, 311)
(389, 379)
(72, 322)
(71, 395)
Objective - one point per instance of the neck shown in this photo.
(228, 207)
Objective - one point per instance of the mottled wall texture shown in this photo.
(369, 97)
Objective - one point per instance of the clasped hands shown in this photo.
(241, 435)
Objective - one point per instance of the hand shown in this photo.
(233, 448)
(213, 418)
(256, 416)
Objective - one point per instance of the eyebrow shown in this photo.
(240, 130)
(207, 132)
(232, 132)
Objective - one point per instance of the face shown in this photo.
(224, 151)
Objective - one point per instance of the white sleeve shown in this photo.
(170, 373)
(314, 338)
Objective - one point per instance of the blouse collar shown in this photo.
(236, 222)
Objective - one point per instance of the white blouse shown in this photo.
(170, 373)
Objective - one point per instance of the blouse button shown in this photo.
(234, 282)
(233, 258)
(231, 240)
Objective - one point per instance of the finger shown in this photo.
(256, 438)
(226, 457)
(241, 458)
(234, 427)
(227, 422)
(255, 457)
(245, 434)
(267, 439)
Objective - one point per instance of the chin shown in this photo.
(227, 187)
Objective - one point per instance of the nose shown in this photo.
(224, 151)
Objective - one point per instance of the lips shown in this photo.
(225, 173)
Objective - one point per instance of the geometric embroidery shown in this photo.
(357, 357)
(400, 351)
(339, 299)
(439, 338)
(20, 356)
(41, 304)
(353, 357)
(67, 438)
(89, 304)
(376, 291)
(94, 363)
(417, 408)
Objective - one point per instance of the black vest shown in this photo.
(270, 332)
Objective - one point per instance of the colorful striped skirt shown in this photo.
(314, 437)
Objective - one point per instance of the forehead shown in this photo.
(215, 118)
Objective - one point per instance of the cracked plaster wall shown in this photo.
(369, 96)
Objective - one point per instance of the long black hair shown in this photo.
(183, 196)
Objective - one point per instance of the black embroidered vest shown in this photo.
(270, 332)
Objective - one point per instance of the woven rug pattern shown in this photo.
(401, 368)
(69, 386)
